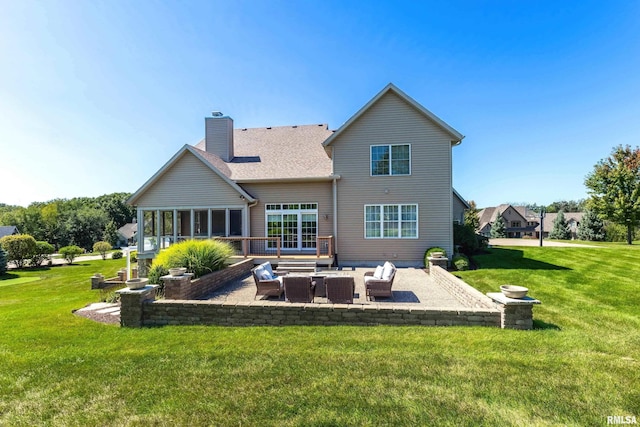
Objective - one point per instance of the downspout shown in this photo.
(247, 218)
(335, 201)
(335, 215)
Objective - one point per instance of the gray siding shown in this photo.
(219, 137)
(189, 183)
(458, 210)
(305, 192)
(393, 121)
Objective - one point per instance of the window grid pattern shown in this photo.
(391, 221)
(392, 159)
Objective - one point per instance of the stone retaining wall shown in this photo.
(205, 285)
(139, 308)
(278, 313)
(466, 294)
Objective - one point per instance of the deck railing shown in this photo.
(272, 246)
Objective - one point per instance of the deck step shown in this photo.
(296, 266)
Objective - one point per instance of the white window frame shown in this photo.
(390, 160)
(280, 209)
(400, 221)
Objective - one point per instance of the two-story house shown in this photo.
(378, 188)
(522, 222)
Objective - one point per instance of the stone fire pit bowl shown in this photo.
(177, 271)
(137, 283)
(512, 291)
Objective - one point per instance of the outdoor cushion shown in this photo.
(368, 278)
(264, 275)
(259, 270)
(378, 272)
(267, 266)
(388, 270)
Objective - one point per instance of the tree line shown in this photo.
(80, 221)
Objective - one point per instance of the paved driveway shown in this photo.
(535, 242)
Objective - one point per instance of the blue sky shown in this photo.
(96, 96)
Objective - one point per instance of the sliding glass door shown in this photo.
(295, 223)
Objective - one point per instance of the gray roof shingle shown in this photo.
(275, 153)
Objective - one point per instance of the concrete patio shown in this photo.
(412, 288)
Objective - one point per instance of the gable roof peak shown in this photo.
(456, 136)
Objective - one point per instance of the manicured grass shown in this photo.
(580, 366)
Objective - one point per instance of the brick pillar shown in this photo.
(440, 262)
(516, 313)
(131, 304)
(96, 281)
(177, 287)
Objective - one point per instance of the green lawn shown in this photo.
(580, 366)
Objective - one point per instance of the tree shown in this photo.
(561, 230)
(41, 253)
(471, 218)
(102, 248)
(566, 206)
(498, 228)
(614, 187)
(591, 227)
(3, 261)
(19, 248)
(110, 233)
(69, 253)
(85, 226)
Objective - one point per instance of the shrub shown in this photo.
(155, 273)
(41, 254)
(429, 251)
(69, 253)
(461, 262)
(467, 241)
(3, 261)
(200, 257)
(116, 255)
(102, 248)
(134, 256)
(19, 247)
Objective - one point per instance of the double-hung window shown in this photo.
(391, 159)
(391, 221)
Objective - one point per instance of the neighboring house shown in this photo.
(521, 222)
(460, 205)
(127, 234)
(378, 188)
(8, 230)
(573, 221)
(516, 219)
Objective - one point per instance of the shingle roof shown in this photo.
(8, 230)
(275, 153)
(128, 230)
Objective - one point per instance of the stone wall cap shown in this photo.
(170, 277)
(137, 291)
(499, 297)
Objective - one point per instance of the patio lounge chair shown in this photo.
(379, 283)
(298, 288)
(340, 289)
(267, 284)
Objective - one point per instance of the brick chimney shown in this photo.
(218, 135)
